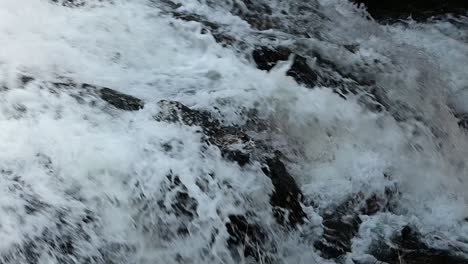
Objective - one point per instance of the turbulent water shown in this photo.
(84, 182)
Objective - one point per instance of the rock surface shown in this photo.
(120, 100)
(286, 197)
(341, 223)
(417, 9)
(267, 58)
(408, 247)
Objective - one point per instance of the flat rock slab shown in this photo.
(121, 101)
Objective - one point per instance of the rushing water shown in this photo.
(85, 184)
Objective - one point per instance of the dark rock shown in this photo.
(267, 58)
(172, 111)
(220, 36)
(59, 238)
(286, 197)
(79, 91)
(197, 18)
(257, 15)
(353, 48)
(182, 203)
(233, 143)
(227, 139)
(171, 4)
(70, 3)
(224, 38)
(341, 224)
(185, 205)
(250, 237)
(408, 247)
(24, 79)
(77, 3)
(120, 100)
(420, 10)
(257, 6)
(462, 120)
(302, 73)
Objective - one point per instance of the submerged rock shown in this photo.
(462, 120)
(77, 3)
(249, 237)
(267, 58)
(182, 205)
(234, 144)
(408, 247)
(173, 111)
(245, 235)
(25, 79)
(78, 91)
(286, 197)
(341, 223)
(257, 14)
(60, 239)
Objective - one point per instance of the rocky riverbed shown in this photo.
(158, 131)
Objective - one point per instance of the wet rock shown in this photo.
(353, 48)
(70, 3)
(172, 111)
(249, 237)
(302, 73)
(420, 10)
(341, 224)
(170, 4)
(267, 58)
(286, 197)
(408, 247)
(24, 79)
(257, 14)
(182, 203)
(234, 144)
(77, 3)
(220, 36)
(120, 100)
(462, 120)
(197, 18)
(79, 91)
(59, 239)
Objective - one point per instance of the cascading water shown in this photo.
(233, 132)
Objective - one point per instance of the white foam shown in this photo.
(106, 161)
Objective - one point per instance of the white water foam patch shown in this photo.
(340, 149)
(97, 154)
(338, 153)
(77, 158)
(122, 45)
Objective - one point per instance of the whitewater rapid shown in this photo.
(94, 176)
